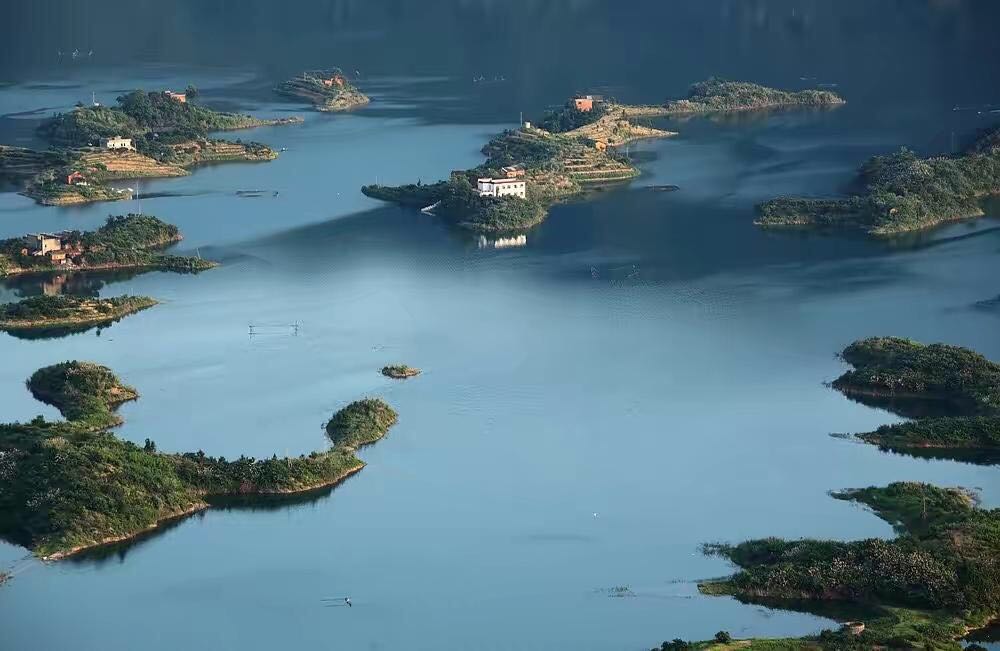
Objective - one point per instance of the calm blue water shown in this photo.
(645, 375)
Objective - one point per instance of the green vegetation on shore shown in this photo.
(361, 423)
(892, 366)
(124, 241)
(328, 90)
(400, 371)
(153, 120)
(915, 380)
(573, 151)
(70, 485)
(948, 433)
(168, 137)
(64, 311)
(902, 193)
(556, 167)
(85, 393)
(938, 578)
(716, 95)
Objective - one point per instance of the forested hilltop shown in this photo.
(70, 485)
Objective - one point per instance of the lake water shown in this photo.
(644, 375)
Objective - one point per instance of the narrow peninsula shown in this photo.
(327, 90)
(67, 314)
(571, 150)
(148, 134)
(901, 193)
(124, 242)
(965, 438)
(57, 499)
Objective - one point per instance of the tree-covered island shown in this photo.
(71, 485)
(400, 371)
(124, 242)
(925, 589)
(327, 90)
(940, 577)
(959, 378)
(901, 193)
(568, 152)
(147, 134)
(65, 314)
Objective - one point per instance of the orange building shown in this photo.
(584, 103)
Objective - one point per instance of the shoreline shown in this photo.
(204, 505)
(69, 322)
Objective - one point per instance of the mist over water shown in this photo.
(651, 358)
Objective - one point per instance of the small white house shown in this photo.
(502, 188)
(117, 143)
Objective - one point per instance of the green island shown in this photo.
(148, 134)
(570, 152)
(71, 485)
(327, 90)
(926, 588)
(717, 95)
(552, 166)
(123, 242)
(902, 193)
(400, 371)
(958, 378)
(65, 313)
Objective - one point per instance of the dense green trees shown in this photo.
(123, 241)
(72, 484)
(901, 192)
(716, 94)
(569, 117)
(361, 423)
(64, 310)
(896, 366)
(139, 115)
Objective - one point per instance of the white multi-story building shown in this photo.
(502, 188)
(118, 143)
